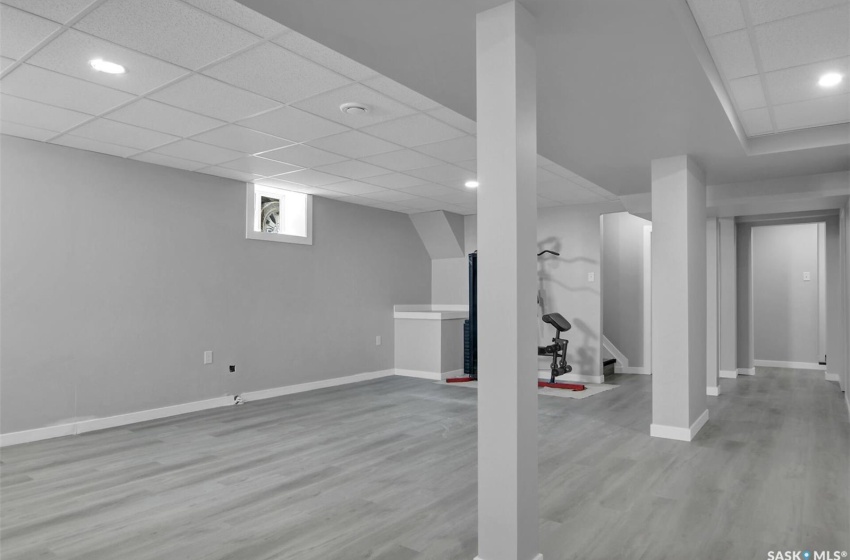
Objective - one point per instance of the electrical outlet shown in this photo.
(232, 369)
(807, 276)
(591, 277)
(237, 399)
(208, 357)
(378, 340)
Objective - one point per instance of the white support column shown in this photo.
(835, 336)
(508, 517)
(728, 289)
(678, 299)
(712, 349)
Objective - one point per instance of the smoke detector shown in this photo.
(357, 109)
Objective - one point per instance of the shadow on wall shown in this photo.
(552, 285)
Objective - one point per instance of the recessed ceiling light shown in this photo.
(471, 184)
(830, 79)
(105, 66)
(354, 108)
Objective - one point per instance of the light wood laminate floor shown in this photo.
(386, 470)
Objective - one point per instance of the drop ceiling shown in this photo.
(214, 87)
(619, 82)
(771, 54)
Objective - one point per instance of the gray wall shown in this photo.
(575, 232)
(622, 283)
(116, 276)
(450, 281)
(785, 308)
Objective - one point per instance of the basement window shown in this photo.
(274, 214)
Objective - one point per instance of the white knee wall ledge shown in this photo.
(538, 557)
(680, 434)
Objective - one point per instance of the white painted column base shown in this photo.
(712, 391)
(679, 434)
(728, 374)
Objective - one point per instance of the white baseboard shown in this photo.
(433, 375)
(83, 426)
(538, 557)
(712, 391)
(729, 374)
(746, 371)
(831, 376)
(680, 434)
(625, 369)
(572, 377)
(790, 365)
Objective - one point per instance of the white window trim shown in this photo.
(250, 216)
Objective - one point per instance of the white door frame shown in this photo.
(647, 299)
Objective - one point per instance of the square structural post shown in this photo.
(712, 351)
(728, 300)
(508, 516)
(678, 299)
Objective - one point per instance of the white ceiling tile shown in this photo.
(445, 174)
(198, 151)
(757, 121)
(259, 166)
(25, 131)
(39, 115)
(353, 169)
(452, 151)
(454, 119)
(560, 171)
(113, 132)
(801, 82)
(814, 112)
(762, 11)
(57, 10)
(812, 37)
(395, 181)
(748, 93)
(429, 190)
(718, 16)
(71, 52)
(241, 139)
(229, 173)
(414, 130)
(402, 160)
(164, 118)
(239, 15)
(276, 73)
(546, 203)
(457, 197)
(5, 63)
(166, 29)
(354, 144)
(311, 177)
(302, 155)
(381, 108)
(293, 124)
(469, 165)
(21, 31)
(422, 204)
(733, 55)
(275, 182)
(38, 84)
(354, 188)
(213, 98)
(389, 196)
(401, 93)
(168, 161)
(93, 145)
(321, 54)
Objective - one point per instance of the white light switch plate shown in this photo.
(591, 277)
(208, 357)
(378, 340)
(807, 276)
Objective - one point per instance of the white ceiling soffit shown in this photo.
(214, 87)
(764, 59)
